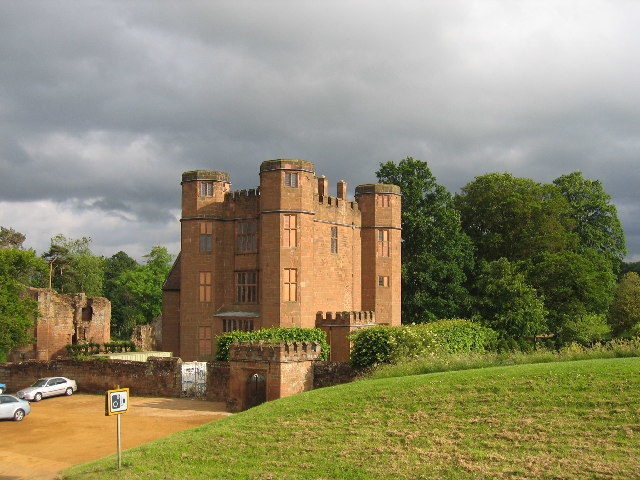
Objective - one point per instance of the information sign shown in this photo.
(117, 401)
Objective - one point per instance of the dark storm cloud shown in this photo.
(104, 104)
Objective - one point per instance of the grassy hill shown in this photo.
(570, 420)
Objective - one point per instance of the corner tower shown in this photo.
(202, 229)
(287, 188)
(381, 229)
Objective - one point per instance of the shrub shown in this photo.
(383, 344)
(279, 334)
(86, 350)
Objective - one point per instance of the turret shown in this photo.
(380, 205)
(287, 207)
(203, 191)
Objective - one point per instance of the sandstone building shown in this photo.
(286, 254)
(65, 319)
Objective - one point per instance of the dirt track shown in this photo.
(64, 431)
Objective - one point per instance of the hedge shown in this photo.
(383, 344)
(92, 348)
(280, 334)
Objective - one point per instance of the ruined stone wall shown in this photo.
(155, 377)
(65, 319)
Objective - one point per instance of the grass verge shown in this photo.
(466, 361)
(567, 420)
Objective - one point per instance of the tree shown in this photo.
(436, 254)
(9, 238)
(506, 303)
(514, 218)
(78, 270)
(624, 314)
(596, 218)
(121, 306)
(574, 284)
(17, 312)
(630, 267)
(143, 289)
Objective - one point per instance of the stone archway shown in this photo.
(256, 390)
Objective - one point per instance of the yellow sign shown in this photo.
(116, 402)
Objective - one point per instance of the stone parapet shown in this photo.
(212, 175)
(287, 164)
(276, 352)
(346, 319)
(377, 188)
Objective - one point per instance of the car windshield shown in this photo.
(40, 383)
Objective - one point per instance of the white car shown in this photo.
(48, 387)
(12, 407)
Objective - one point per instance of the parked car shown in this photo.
(48, 387)
(12, 407)
(3, 388)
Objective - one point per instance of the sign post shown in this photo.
(117, 403)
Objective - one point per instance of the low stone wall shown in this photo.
(218, 374)
(155, 377)
(327, 374)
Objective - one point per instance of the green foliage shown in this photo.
(630, 267)
(596, 218)
(617, 348)
(585, 330)
(141, 290)
(515, 218)
(382, 344)
(17, 312)
(74, 268)
(277, 334)
(122, 304)
(506, 303)
(573, 284)
(624, 315)
(436, 254)
(86, 350)
(9, 238)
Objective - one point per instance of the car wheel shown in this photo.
(37, 397)
(68, 392)
(18, 415)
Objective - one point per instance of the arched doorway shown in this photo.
(256, 390)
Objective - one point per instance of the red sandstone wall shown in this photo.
(157, 377)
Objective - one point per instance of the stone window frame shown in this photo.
(246, 235)
(205, 290)
(238, 324)
(206, 189)
(246, 283)
(383, 243)
(383, 200)
(205, 342)
(291, 179)
(290, 285)
(206, 237)
(383, 280)
(290, 223)
(334, 239)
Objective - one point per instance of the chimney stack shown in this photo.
(342, 190)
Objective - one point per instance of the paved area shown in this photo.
(64, 431)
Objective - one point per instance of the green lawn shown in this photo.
(568, 420)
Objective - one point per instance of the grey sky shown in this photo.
(104, 104)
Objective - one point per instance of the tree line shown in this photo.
(69, 266)
(525, 258)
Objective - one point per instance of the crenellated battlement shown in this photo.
(263, 351)
(329, 201)
(242, 194)
(345, 318)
